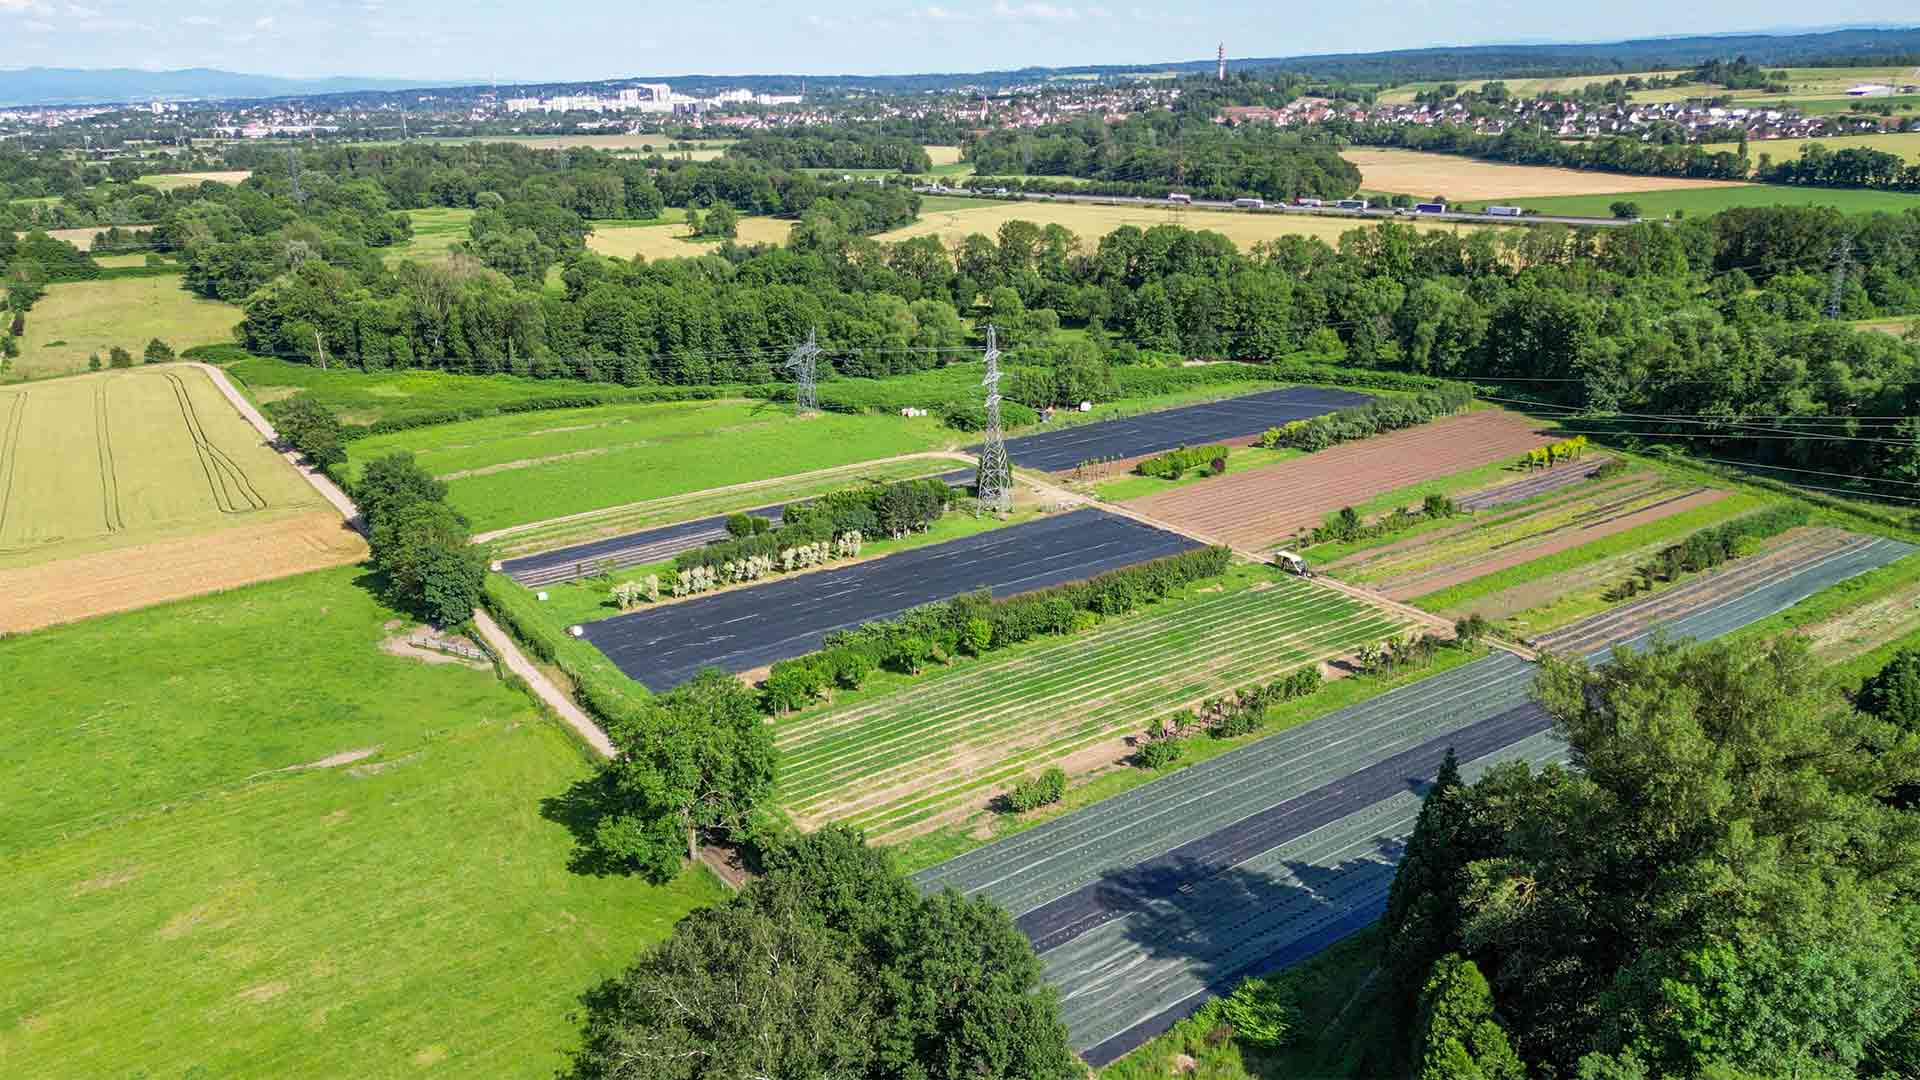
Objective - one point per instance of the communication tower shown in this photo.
(1220, 71)
(803, 364)
(994, 481)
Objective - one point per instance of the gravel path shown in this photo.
(320, 481)
(502, 646)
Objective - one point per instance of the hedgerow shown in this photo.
(1375, 418)
(1710, 547)
(1170, 465)
(937, 632)
(1037, 791)
(821, 529)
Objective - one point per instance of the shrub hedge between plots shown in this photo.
(1710, 547)
(1173, 463)
(1037, 791)
(1375, 418)
(603, 690)
(895, 510)
(936, 632)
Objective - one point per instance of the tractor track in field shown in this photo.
(232, 490)
(109, 472)
(14, 419)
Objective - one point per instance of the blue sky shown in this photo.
(584, 39)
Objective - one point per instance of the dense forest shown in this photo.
(1155, 152)
(833, 148)
(1723, 886)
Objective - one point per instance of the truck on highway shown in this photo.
(1505, 211)
(1250, 204)
(1352, 204)
(1430, 208)
(1304, 201)
(1179, 197)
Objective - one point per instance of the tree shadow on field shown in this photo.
(580, 809)
(1221, 926)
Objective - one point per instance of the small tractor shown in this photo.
(1292, 564)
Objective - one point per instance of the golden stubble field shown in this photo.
(669, 240)
(1465, 179)
(125, 488)
(1092, 221)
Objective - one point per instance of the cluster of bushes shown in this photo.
(1611, 468)
(894, 510)
(1174, 463)
(1347, 526)
(1037, 791)
(972, 416)
(312, 429)
(1395, 655)
(1710, 547)
(1375, 418)
(420, 545)
(1546, 457)
(1235, 713)
(976, 623)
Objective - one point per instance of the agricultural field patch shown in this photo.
(435, 233)
(406, 395)
(79, 318)
(931, 754)
(125, 488)
(1263, 507)
(1905, 144)
(175, 181)
(1699, 202)
(82, 238)
(1233, 419)
(505, 470)
(943, 155)
(1495, 540)
(1465, 179)
(744, 629)
(1091, 221)
(178, 826)
(1898, 327)
(671, 240)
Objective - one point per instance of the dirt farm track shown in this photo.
(1262, 507)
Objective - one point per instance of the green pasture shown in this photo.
(1903, 144)
(366, 397)
(193, 889)
(79, 318)
(436, 231)
(1901, 103)
(1700, 202)
(891, 763)
(545, 464)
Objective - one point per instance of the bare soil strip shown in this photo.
(126, 578)
(1265, 506)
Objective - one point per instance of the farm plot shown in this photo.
(1265, 506)
(1091, 221)
(925, 756)
(126, 488)
(1427, 564)
(1531, 488)
(1231, 419)
(670, 239)
(742, 629)
(1415, 172)
(1147, 904)
(79, 318)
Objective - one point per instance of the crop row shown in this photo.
(1124, 715)
(1513, 529)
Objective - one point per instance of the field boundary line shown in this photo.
(328, 490)
(509, 653)
(749, 485)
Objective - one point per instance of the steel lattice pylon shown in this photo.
(994, 481)
(803, 364)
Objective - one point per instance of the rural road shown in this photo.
(1376, 213)
(320, 481)
(516, 662)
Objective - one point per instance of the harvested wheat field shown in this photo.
(1464, 179)
(1091, 221)
(125, 578)
(82, 238)
(175, 181)
(120, 488)
(670, 240)
(1262, 507)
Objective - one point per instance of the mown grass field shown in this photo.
(506, 470)
(175, 181)
(366, 397)
(1460, 178)
(1906, 144)
(929, 754)
(79, 318)
(669, 238)
(1092, 221)
(1700, 202)
(435, 232)
(185, 898)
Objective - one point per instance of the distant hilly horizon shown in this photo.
(33, 86)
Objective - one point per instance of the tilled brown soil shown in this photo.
(1266, 506)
